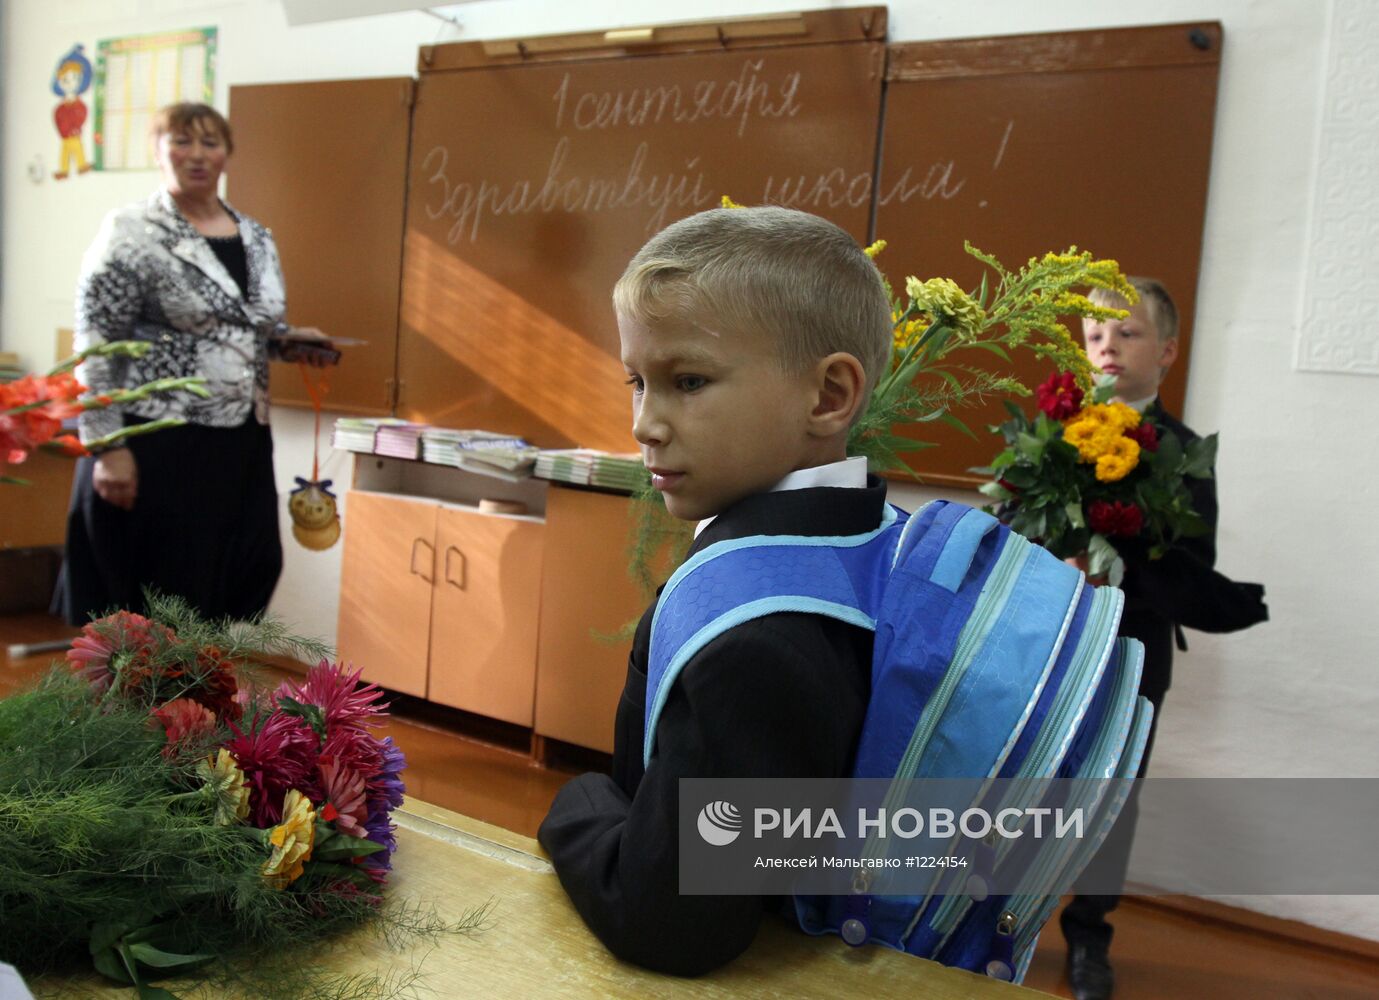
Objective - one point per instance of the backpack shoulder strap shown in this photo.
(731, 582)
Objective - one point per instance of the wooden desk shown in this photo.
(533, 943)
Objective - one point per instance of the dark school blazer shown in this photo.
(780, 696)
(1181, 588)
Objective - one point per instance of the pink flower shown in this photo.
(356, 749)
(343, 790)
(183, 719)
(275, 755)
(343, 701)
(123, 632)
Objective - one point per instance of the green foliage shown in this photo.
(112, 856)
(938, 322)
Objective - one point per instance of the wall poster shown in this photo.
(137, 75)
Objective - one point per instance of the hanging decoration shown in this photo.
(315, 519)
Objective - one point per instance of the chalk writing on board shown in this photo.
(833, 188)
(469, 203)
(634, 107)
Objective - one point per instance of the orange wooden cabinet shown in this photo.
(585, 589)
(386, 579)
(484, 611)
(442, 602)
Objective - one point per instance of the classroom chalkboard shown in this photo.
(1029, 143)
(536, 174)
(536, 167)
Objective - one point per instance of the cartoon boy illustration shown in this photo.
(71, 78)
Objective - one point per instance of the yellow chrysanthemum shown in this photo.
(875, 249)
(1126, 416)
(1119, 460)
(292, 840)
(225, 782)
(729, 203)
(1090, 436)
(941, 297)
(1115, 416)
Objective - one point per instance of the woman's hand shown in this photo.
(116, 478)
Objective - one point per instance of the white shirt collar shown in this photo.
(1140, 405)
(850, 473)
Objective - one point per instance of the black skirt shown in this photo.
(204, 527)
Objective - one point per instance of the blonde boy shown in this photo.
(1136, 351)
(1161, 594)
(752, 339)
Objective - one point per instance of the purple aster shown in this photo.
(385, 787)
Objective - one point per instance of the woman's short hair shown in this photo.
(186, 115)
(794, 276)
(1157, 303)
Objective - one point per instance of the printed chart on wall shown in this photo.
(137, 75)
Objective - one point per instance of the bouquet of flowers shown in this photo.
(161, 816)
(32, 408)
(1086, 471)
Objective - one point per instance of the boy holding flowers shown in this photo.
(752, 339)
(1161, 595)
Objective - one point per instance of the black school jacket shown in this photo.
(1181, 587)
(780, 696)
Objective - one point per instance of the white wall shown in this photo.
(1295, 697)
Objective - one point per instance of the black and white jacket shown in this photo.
(151, 276)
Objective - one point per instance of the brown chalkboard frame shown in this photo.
(1189, 52)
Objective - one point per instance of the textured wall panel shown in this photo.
(1339, 330)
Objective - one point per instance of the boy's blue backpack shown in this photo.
(993, 659)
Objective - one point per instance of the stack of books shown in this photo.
(438, 445)
(9, 367)
(399, 440)
(503, 456)
(588, 467)
(358, 433)
(480, 451)
(512, 459)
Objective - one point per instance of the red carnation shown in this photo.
(1059, 396)
(1146, 435)
(1115, 519)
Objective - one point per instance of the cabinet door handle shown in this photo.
(464, 568)
(430, 562)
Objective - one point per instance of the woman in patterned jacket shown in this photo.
(190, 511)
